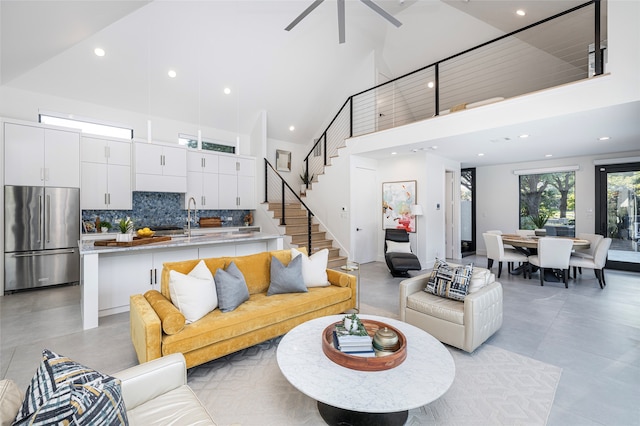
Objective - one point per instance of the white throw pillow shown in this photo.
(314, 268)
(479, 279)
(193, 294)
(394, 247)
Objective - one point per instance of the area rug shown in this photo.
(492, 387)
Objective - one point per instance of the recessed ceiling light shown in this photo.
(520, 12)
(604, 138)
(291, 128)
(481, 154)
(430, 84)
(524, 136)
(98, 51)
(227, 91)
(548, 155)
(393, 153)
(172, 74)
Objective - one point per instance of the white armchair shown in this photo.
(464, 324)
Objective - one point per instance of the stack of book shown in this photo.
(353, 345)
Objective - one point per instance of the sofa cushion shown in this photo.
(256, 313)
(314, 267)
(171, 318)
(436, 306)
(60, 390)
(449, 281)
(194, 294)
(10, 401)
(179, 406)
(286, 279)
(231, 288)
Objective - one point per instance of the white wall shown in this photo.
(497, 194)
(24, 105)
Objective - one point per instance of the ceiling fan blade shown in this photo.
(382, 12)
(300, 17)
(341, 36)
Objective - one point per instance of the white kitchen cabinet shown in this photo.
(106, 174)
(202, 179)
(236, 183)
(160, 168)
(39, 156)
(124, 274)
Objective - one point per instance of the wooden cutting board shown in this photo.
(210, 222)
(137, 241)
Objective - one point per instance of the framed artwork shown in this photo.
(283, 160)
(397, 199)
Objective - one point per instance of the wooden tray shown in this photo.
(137, 241)
(354, 362)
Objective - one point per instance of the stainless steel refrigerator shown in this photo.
(41, 233)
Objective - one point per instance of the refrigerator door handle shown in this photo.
(44, 253)
(47, 223)
(39, 218)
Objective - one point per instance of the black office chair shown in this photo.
(401, 262)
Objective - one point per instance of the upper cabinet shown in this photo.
(106, 174)
(160, 167)
(202, 179)
(39, 156)
(236, 182)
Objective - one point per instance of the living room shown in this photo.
(597, 402)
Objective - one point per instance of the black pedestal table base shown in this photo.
(339, 417)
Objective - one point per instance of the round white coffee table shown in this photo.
(347, 396)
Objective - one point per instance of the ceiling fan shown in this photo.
(380, 11)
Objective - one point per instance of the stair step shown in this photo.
(336, 262)
(303, 237)
(301, 228)
(290, 214)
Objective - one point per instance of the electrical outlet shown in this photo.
(229, 218)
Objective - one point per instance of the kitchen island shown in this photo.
(110, 275)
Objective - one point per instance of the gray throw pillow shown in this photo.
(286, 279)
(231, 288)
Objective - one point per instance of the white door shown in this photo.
(62, 158)
(23, 155)
(94, 186)
(119, 186)
(365, 215)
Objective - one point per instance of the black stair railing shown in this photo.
(492, 69)
(276, 189)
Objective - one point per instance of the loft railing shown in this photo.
(561, 49)
(277, 190)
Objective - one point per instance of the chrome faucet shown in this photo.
(189, 214)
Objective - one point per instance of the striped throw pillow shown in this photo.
(449, 281)
(63, 391)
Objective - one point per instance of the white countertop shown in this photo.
(230, 235)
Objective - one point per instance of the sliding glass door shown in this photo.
(618, 213)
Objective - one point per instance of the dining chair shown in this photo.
(597, 263)
(587, 253)
(553, 253)
(497, 252)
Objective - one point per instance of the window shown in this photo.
(547, 201)
(87, 125)
(207, 144)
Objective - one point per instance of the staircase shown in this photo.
(296, 228)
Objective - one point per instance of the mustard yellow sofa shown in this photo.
(156, 324)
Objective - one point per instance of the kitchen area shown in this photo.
(66, 194)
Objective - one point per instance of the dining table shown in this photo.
(528, 245)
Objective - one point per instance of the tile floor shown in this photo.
(593, 334)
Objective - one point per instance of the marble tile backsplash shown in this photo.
(155, 209)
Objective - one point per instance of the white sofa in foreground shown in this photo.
(463, 324)
(154, 393)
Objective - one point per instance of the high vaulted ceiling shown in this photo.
(299, 78)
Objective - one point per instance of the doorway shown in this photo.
(468, 211)
(618, 213)
(365, 215)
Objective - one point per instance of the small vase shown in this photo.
(540, 232)
(351, 325)
(104, 229)
(124, 238)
